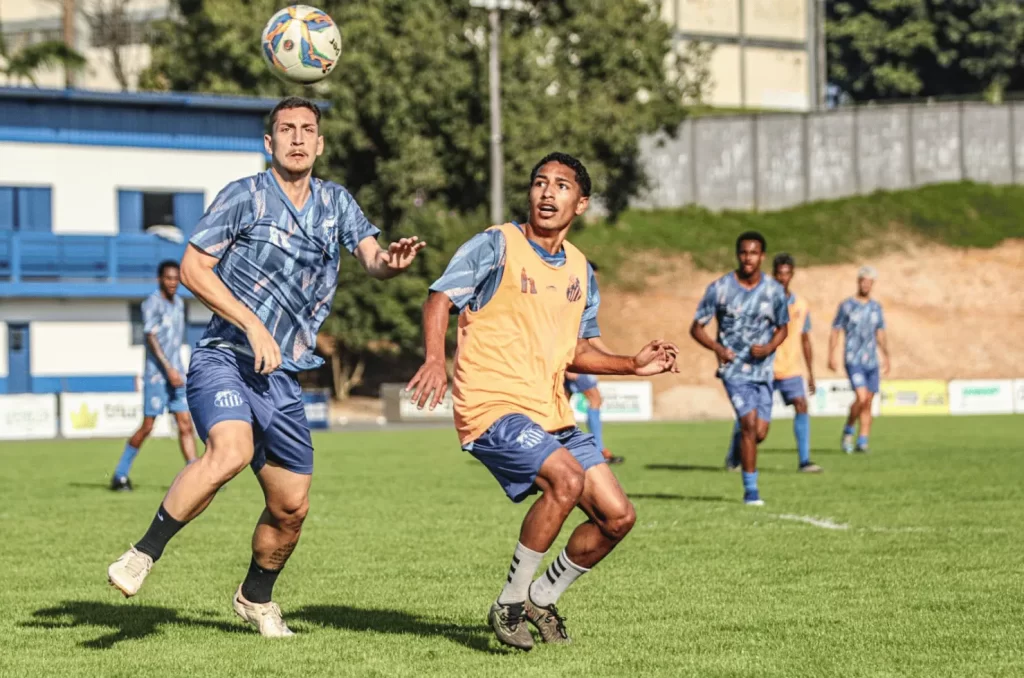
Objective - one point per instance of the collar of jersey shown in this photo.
(297, 213)
(736, 279)
(556, 259)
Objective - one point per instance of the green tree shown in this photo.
(407, 130)
(25, 63)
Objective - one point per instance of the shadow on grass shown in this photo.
(106, 487)
(674, 497)
(685, 467)
(126, 622)
(395, 621)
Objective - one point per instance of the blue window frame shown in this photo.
(139, 210)
(26, 208)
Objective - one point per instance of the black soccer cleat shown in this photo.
(509, 624)
(121, 484)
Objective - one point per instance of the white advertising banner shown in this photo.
(106, 415)
(28, 417)
(977, 396)
(1018, 396)
(834, 397)
(623, 401)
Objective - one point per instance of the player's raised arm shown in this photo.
(383, 263)
(656, 357)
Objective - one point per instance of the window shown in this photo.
(142, 210)
(25, 208)
(135, 314)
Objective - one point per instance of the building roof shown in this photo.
(215, 102)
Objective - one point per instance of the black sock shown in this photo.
(159, 533)
(258, 586)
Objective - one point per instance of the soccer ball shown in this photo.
(301, 44)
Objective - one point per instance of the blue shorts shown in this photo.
(223, 386)
(791, 388)
(747, 396)
(863, 377)
(159, 397)
(514, 448)
(582, 382)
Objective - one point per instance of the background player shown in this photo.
(528, 307)
(861, 320)
(163, 322)
(753, 318)
(790, 358)
(265, 259)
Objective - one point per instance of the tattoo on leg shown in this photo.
(279, 557)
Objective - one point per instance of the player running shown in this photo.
(789, 379)
(163, 323)
(265, 259)
(753, 318)
(860, 318)
(527, 304)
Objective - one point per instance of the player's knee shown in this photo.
(762, 434)
(568, 487)
(800, 405)
(147, 427)
(290, 512)
(619, 525)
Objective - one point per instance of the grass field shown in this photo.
(913, 568)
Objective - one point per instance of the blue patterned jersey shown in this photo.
(474, 274)
(860, 323)
(281, 262)
(165, 319)
(746, 318)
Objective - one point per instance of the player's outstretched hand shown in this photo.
(429, 380)
(400, 255)
(656, 357)
(265, 349)
(174, 376)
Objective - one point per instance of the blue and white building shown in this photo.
(87, 180)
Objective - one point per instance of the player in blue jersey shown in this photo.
(752, 317)
(265, 259)
(163, 323)
(860, 318)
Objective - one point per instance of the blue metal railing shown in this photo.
(45, 257)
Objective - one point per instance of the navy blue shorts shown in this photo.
(514, 448)
(159, 397)
(223, 386)
(583, 382)
(863, 377)
(747, 396)
(791, 389)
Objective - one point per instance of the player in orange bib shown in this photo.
(527, 305)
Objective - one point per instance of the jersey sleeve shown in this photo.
(840, 320)
(468, 277)
(781, 310)
(588, 324)
(807, 323)
(227, 215)
(354, 227)
(150, 316)
(706, 307)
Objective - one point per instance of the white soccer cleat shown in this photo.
(266, 617)
(129, 571)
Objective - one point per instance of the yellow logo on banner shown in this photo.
(84, 418)
(911, 397)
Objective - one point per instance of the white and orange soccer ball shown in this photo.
(301, 44)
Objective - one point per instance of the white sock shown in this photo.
(556, 579)
(524, 564)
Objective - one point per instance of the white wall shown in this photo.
(85, 179)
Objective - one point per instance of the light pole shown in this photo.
(494, 9)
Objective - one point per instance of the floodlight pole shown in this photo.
(494, 9)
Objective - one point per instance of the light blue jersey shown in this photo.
(746, 318)
(281, 262)
(860, 323)
(164, 318)
(474, 274)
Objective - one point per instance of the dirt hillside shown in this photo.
(950, 314)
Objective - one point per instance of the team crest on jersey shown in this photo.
(575, 291)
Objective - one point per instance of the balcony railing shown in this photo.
(44, 264)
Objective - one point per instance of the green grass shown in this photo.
(408, 542)
(959, 215)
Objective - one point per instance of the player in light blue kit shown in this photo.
(163, 378)
(265, 259)
(753, 317)
(163, 389)
(861, 319)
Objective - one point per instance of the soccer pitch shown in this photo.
(906, 561)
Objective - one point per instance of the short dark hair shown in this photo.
(164, 265)
(751, 235)
(573, 163)
(289, 103)
(594, 267)
(783, 259)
